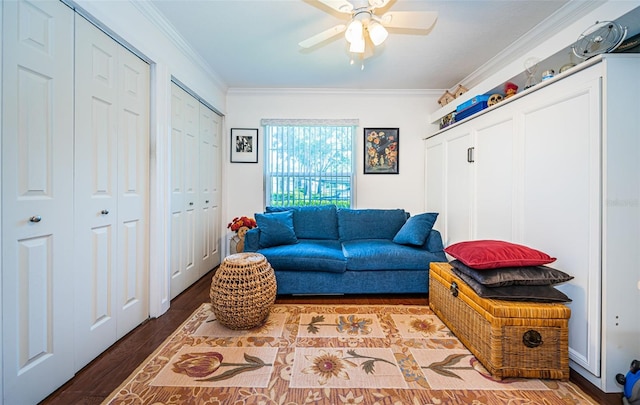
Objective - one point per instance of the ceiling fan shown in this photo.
(366, 27)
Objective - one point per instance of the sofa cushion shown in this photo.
(315, 222)
(493, 254)
(356, 224)
(307, 255)
(276, 229)
(383, 254)
(416, 230)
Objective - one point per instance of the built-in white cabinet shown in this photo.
(469, 172)
(557, 169)
(75, 181)
(195, 190)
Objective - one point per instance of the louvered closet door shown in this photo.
(37, 182)
(185, 116)
(111, 197)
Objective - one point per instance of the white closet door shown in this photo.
(185, 116)
(37, 173)
(132, 297)
(208, 207)
(111, 182)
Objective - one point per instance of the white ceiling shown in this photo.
(254, 43)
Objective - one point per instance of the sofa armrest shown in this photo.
(252, 240)
(433, 243)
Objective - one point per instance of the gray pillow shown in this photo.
(505, 276)
(276, 229)
(533, 293)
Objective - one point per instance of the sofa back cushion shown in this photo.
(356, 224)
(315, 222)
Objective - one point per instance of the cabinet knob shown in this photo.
(206, 201)
(35, 218)
(104, 212)
(191, 203)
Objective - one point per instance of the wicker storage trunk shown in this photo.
(510, 338)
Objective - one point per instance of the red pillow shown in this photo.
(493, 254)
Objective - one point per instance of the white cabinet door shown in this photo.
(37, 199)
(435, 177)
(458, 187)
(561, 198)
(111, 191)
(494, 176)
(470, 174)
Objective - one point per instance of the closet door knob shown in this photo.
(191, 203)
(35, 218)
(206, 201)
(104, 212)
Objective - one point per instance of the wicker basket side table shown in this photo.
(243, 289)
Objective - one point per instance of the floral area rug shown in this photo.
(321, 354)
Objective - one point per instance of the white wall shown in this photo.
(406, 110)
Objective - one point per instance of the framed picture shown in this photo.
(244, 145)
(381, 150)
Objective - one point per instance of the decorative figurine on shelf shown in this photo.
(631, 383)
(446, 98)
(510, 89)
(240, 225)
(531, 65)
(459, 91)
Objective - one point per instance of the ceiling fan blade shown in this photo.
(378, 3)
(342, 6)
(323, 36)
(413, 20)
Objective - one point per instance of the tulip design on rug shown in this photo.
(200, 365)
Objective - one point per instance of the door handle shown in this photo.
(470, 157)
(104, 212)
(35, 218)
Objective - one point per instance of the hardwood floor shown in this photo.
(98, 379)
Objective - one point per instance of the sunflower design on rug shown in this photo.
(327, 365)
(352, 325)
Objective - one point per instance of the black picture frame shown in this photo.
(381, 150)
(244, 145)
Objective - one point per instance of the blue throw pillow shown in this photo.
(276, 229)
(416, 230)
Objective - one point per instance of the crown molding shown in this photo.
(542, 32)
(151, 13)
(377, 92)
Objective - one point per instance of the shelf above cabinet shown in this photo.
(435, 117)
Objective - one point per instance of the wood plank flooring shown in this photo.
(98, 379)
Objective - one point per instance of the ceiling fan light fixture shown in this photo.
(354, 31)
(377, 33)
(357, 46)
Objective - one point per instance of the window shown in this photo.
(309, 162)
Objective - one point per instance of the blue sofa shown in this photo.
(325, 250)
